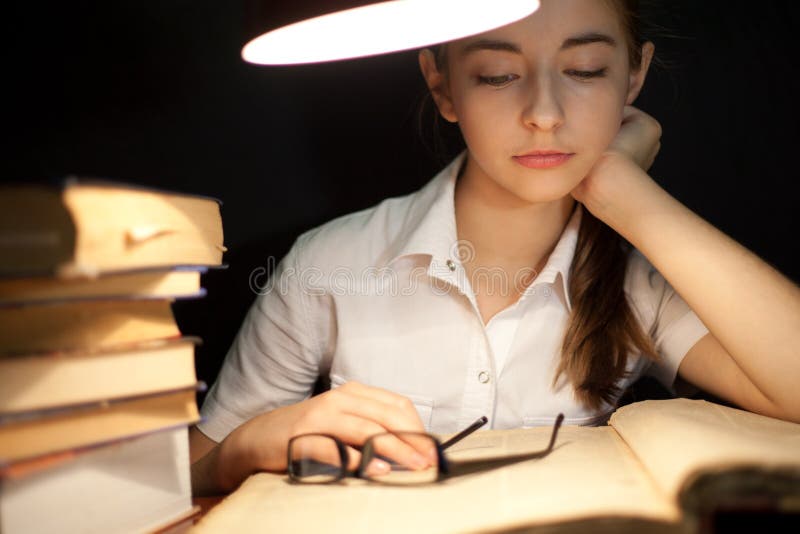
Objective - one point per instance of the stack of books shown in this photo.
(97, 384)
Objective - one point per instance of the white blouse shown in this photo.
(381, 297)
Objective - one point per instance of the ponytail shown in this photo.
(602, 328)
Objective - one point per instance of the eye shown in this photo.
(587, 74)
(497, 81)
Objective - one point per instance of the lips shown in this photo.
(543, 153)
(543, 159)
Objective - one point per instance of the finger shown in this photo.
(378, 394)
(354, 458)
(352, 429)
(355, 430)
(310, 453)
(647, 123)
(653, 155)
(628, 112)
(404, 450)
(423, 445)
(393, 412)
(375, 467)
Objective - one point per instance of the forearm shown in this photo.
(204, 470)
(222, 469)
(752, 309)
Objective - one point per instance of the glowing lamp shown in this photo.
(382, 27)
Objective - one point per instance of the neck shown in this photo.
(506, 231)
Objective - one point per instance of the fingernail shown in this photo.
(379, 466)
(418, 461)
(433, 458)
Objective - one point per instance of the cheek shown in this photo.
(596, 121)
(484, 122)
(487, 114)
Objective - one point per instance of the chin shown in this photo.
(543, 198)
(544, 189)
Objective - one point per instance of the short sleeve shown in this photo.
(672, 325)
(276, 356)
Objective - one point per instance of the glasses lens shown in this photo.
(314, 459)
(402, 459)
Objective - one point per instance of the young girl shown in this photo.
(503, 287)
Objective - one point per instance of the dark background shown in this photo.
(155, 93)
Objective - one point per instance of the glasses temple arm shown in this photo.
(466, 467)
(466, 432)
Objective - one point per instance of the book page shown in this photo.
(677, 437)
(590, 473)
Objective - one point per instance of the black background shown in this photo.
(155, 93)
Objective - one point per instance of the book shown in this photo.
(142, 284)
(29, 435)
(39, 382)
(83, 325)
(657, 467)
(136, 485)
(85, 228)
(97, 385)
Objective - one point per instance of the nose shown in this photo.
(542, 109)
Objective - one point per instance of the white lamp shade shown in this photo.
(381, 28)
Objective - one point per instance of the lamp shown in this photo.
(382, 27)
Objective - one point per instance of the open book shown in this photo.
(658, 467)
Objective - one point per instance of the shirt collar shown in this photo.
(435, 234)
(434, 207)
(560, 261)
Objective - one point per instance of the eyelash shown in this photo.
(497, 81)
(501, 81)
(586, 74)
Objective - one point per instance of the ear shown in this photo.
(437, 85)
(637, 77)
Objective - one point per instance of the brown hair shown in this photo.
(602, 329)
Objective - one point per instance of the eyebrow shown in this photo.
(588, 38)
(570, 42)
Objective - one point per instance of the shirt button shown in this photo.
(451, 265)
(483, 377)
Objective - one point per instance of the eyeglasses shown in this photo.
(322, 458)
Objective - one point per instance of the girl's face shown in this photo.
(556, 80)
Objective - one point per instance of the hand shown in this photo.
(639, 137)
(352, 412)
(637, 143)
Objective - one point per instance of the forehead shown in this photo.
(555, 22)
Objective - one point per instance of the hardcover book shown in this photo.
(84, 325)
(45, 381)
(90, 227)
(136, 485)
(27, 436)
(139, 284)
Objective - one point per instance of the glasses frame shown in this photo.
(446, 468)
